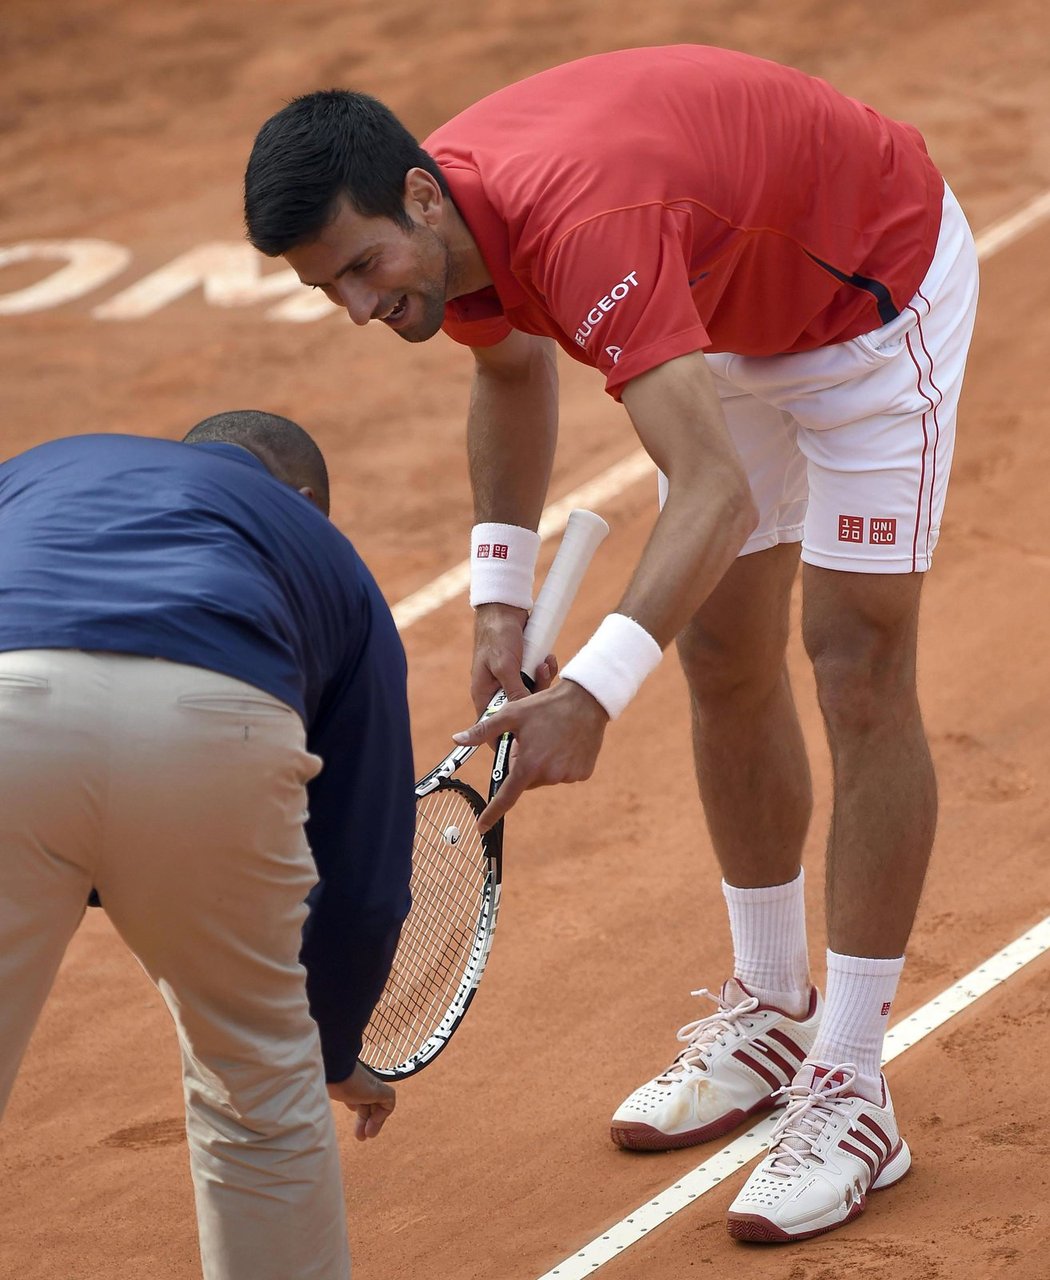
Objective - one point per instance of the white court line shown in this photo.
(741, 1150)
(1000, 234)
(611, 483)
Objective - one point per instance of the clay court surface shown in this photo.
(129, 124)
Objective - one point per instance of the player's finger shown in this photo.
(482, 692)
(545, 673)
(515, 688)
(505, 799)
(487, 729)
(495, 809)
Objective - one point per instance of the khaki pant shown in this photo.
(180, 795)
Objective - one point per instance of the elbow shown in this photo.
(738, 513)
(723, 492)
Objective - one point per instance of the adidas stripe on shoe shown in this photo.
(735, 1063)
(829, 1149)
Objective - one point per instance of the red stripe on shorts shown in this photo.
(936, 428)
(925, 446)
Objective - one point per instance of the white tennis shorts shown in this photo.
(848, 448)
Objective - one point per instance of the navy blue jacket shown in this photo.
(196, 554)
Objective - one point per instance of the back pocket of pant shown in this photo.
(19, 682)
(236, 704)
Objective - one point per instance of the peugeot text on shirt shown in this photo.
(597, 314)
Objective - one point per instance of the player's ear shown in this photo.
(422, 190)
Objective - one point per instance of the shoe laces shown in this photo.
(806, 1113)
(701, 1036)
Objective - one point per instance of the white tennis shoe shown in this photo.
(828, 1150)
(735, 1063)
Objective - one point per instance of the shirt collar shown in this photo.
(237, 452)
(488, 229)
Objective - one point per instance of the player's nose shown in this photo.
(360, 303)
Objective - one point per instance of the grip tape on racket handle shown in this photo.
(584, 533)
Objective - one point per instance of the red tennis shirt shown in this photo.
(643, 204)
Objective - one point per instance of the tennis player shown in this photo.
(191, 657)
(775, 281)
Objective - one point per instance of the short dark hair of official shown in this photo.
(319, 148)
(285, 449)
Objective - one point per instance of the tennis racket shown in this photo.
(456, 873)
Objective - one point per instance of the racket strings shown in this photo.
(441, 933)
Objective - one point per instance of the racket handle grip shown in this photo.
(584, 533)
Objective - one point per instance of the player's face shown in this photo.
(379, 270)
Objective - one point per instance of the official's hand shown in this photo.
(371, 1098)
(558, 734)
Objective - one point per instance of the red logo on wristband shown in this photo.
(497, 550)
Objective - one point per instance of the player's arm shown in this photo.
(512, 429)
(709, 511)
(705, 521)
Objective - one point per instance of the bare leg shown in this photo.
(754, 782)
(860, 632)
(751, 761)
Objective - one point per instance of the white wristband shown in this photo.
(613, 663)
(502, 564)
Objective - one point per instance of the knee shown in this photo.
(281, 1110)
(721, 670)
(865, 677)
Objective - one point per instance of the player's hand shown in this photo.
(498, 630)
(558, 734)
(498, 633)
(369, 1097)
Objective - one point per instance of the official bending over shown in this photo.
(191, 658)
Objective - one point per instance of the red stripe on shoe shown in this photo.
(786, 1042)
(882, 1137)
(872, 1165)
(758, 1068)
(878, 1151)
(788, 1068)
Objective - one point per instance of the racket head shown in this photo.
(446, 939)
(447, 936)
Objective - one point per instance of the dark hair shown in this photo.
(286, 450)
(318, 148)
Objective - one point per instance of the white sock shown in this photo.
(769, 942)
(856, 1015)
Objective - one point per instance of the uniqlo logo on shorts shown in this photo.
(883, 531)
(499, 551)
(483, 551)
(851, 528)
(886, 1009)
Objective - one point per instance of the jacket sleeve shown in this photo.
(360, 828)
